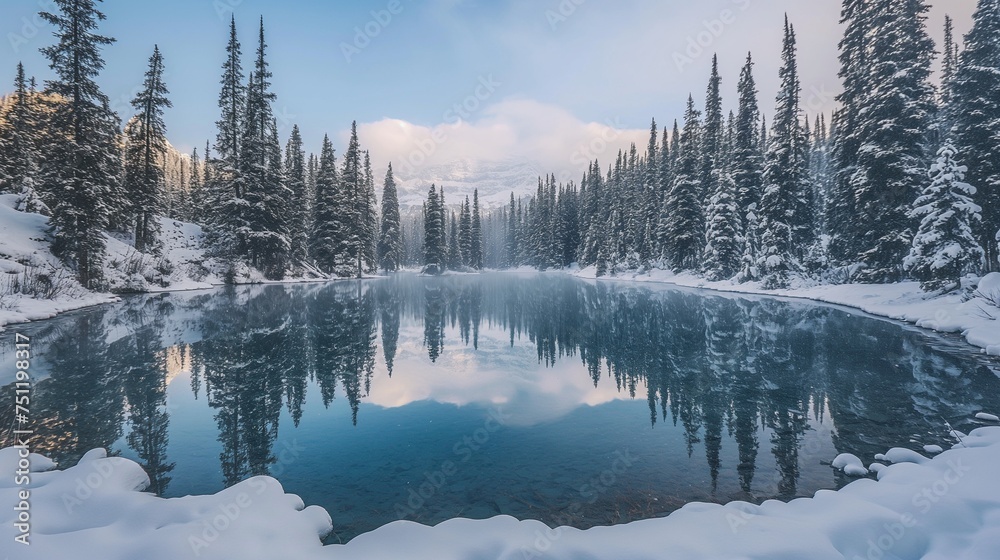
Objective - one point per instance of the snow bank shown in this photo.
(25, 259)
(97, 510)
(940, 508)
(975, 319)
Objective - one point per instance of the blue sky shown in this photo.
(560, 72)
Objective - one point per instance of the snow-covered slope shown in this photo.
(935, 509)
(495, 181)
(33, 283)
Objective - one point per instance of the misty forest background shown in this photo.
(901, 182)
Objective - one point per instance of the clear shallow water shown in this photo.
(537, 396)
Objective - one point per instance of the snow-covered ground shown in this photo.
(974, 318)
(943, 508)
(25, 259)
(35, 285)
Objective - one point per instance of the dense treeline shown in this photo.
(877, 194)
(64, 152)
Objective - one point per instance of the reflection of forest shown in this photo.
(720, 367)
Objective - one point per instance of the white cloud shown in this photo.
(546, 135)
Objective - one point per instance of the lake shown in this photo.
(538, 396)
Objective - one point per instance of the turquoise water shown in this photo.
(537, 396)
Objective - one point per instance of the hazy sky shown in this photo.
(559, 81)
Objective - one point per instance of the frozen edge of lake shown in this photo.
(945, 507)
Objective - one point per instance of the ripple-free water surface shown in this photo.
(537, 396)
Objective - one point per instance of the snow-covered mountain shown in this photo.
(494, 179)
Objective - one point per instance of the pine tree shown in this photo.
(465, 232)
(267, 244)
(299, 211)
(18, 146)
(682, 224)
(146, 145)
(228, 215)
(369, 220)
(712, 134)
(511, 249)
(785, 219)
(455, 257)
(327, 231)
(977, 120)
(949, 66)
(842, 221)
(944, 248)
(196, 189)
(390, 243)
(350, 212)
(895, 116)
(724, 247)
(649, 203)
(476, 255)
(747, 157)
(82, 166)
(435, 238)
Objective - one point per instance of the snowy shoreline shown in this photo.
(944, 507)
(899, 302)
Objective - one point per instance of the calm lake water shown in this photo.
(537, 396)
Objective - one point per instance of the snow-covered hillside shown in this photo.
(494, 179)
(34, 284)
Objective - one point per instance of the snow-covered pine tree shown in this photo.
(145, 149)
(476, 255)
(895, 115)
(722, 216)
(327, 230)
(298, 207)
(977, 120)
(369, 219)
(349, 214)
(724, 246)
(747, 157)
(455, 257)
(510, 248)
(435, 238)
(262, 170)
(712, 135)
(390, 242)
(227, 217)
(465, 232)
(18, 146)
(682, 223)
(949, 67)
(81, 170)
(785, 218)
(196, 189)
(650, 203)
(945, 248)
(857, 16)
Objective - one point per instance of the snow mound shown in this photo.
(850, 464)
(990, 284)
(901, 455)
(945, 507)
(933, 449)
(987, 417)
